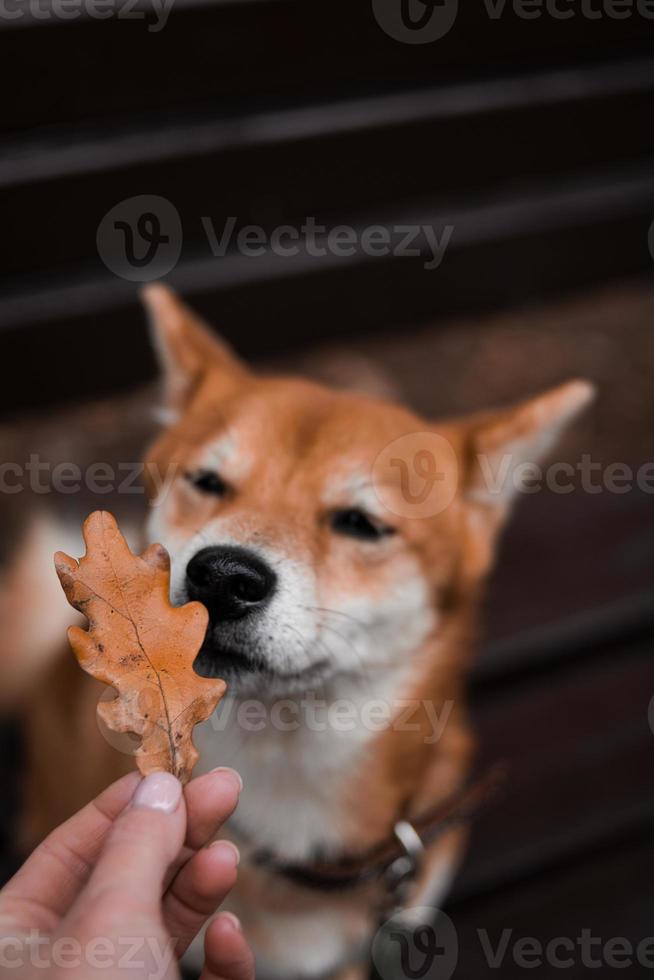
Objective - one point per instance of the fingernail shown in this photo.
(226, 771)
(230, 917)
(158, 791)
(230, 851)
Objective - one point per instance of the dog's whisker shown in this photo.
(336, 612)
(364, 662)
(305, 644)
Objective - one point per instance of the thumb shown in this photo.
(144, 841)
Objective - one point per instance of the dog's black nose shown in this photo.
(231, 582)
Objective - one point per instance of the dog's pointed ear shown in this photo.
(504, 447)
(501, 452)
(186, 347)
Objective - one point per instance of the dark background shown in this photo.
(534, 139)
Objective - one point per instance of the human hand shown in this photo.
(123, 887)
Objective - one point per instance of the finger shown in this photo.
(227, 954)
(126, 884)
(198, 890)
(43, 890)
(210, 800)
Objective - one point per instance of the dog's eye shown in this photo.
(208, 482)
(357, 524)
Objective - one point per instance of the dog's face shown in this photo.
(288, 516)
(273, 522)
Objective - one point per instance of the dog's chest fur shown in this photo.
(304, 796)
(299, 770)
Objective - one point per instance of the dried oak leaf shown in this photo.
(139, 644)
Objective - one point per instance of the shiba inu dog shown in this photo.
(340, 544)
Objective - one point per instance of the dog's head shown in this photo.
(326, 532)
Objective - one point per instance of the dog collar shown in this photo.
(396, 861)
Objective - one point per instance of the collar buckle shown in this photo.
(404, 869)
